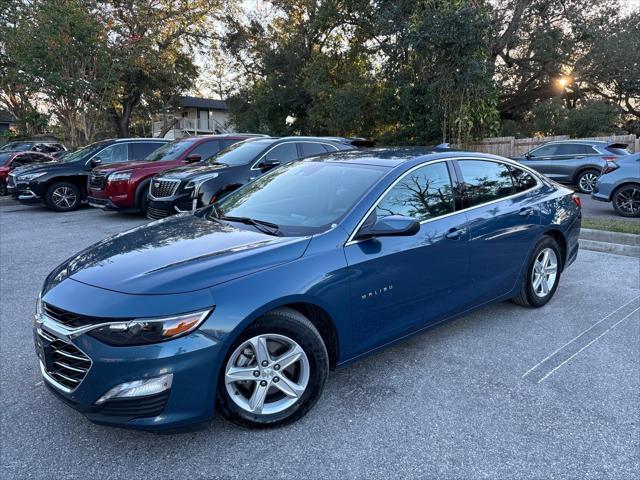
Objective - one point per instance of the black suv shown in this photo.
(190, 187)
(62, 186)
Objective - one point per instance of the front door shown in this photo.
(400, 284)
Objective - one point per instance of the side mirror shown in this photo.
(193, 158)
(266, 165)
(528, 155)
(391, 226)
(95, 161)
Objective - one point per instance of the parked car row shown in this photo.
(160, 178)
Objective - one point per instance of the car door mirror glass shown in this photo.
(268, 164)
(389, 226)
(193, 158)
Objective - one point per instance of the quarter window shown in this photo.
(522, 179)
(485, 181)
(423, 194)
(309, 149)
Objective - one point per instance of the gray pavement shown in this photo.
(505, 392)
(595, 209)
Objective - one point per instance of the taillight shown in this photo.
(610, 166)
(576, 200)
(608, 159)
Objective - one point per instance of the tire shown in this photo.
(586, 180)
(144, 200)
(626, 201)
(532, 294)
(63, 197)
(304, 378)
(3, 188)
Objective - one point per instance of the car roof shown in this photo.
(590, 142)
(137, 139)
(394, 156)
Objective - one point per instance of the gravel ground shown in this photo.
(504, 392)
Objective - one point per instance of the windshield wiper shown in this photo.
(265, 227)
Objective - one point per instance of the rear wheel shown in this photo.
(586, 181)
(626, 201)
(274, 373)
(542, 274)
(63, 197)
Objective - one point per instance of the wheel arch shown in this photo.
(317, 314)
(624, 183)
(77, 180)
(561, 240)
(140, 189)
(579, 171)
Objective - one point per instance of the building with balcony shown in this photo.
(194, 116)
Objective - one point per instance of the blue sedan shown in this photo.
(244, 307)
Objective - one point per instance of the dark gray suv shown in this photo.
(574, 162)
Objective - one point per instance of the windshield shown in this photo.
(240, 153)
(4, 157)
(302, 197)
(171, 151)
(17, 146)
(82, 152)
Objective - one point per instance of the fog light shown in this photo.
(138, 388)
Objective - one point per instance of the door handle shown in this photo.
(526, 212)
(454, 234)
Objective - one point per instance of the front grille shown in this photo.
(164, 188)
(157, 213)
(62, 361)
(97, 180)
(149, 406)
(74, 320)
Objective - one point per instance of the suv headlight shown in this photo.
(120, 176)
(30, 176)
(196, 182)
(141, 331)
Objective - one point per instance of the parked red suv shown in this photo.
(124, 187)
(10, 160)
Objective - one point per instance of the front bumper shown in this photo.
(163, 208)
(192, 360)
(24, 192)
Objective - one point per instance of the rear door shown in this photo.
(401, 284)
(568, 159)
(504, 221)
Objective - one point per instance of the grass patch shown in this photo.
(620, 226)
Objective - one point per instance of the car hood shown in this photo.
(192, 171)
(177, 255)
(135, 165)
(49, 166)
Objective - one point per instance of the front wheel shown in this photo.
(541, 277)
(3, 188)
(63, 197)
(586, 181)
(274, 373)
(626, 201)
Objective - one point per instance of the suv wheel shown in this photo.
(586, 181)
(63, 197)
(274, 373)
(626, 201)
(542, 274)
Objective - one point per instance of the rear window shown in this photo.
(617, 150)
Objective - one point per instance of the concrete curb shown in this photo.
(610, 242)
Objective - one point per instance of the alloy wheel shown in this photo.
(267, 374)
(545, 272)
(628, 201)
(64, 197)
(588, 181)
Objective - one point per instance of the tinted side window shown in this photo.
(140, 150)
(309, 149)
(485, 181)
(226, 142)
(207, 149)
(422, 194)
(573, 149)
(522, 179)
(545, 151)
(118, 152)
(283, 153)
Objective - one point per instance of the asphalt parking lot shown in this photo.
(505, 392)
(600, 210)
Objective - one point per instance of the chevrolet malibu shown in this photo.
(243, 307)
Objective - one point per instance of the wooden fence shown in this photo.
(512, 147)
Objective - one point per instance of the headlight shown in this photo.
(39, 304)
(196, 182)
(30, 176)
(119, 176)
(141, 331)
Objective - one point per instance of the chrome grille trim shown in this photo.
(163, 188)
(62, 363)
(97, 180)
